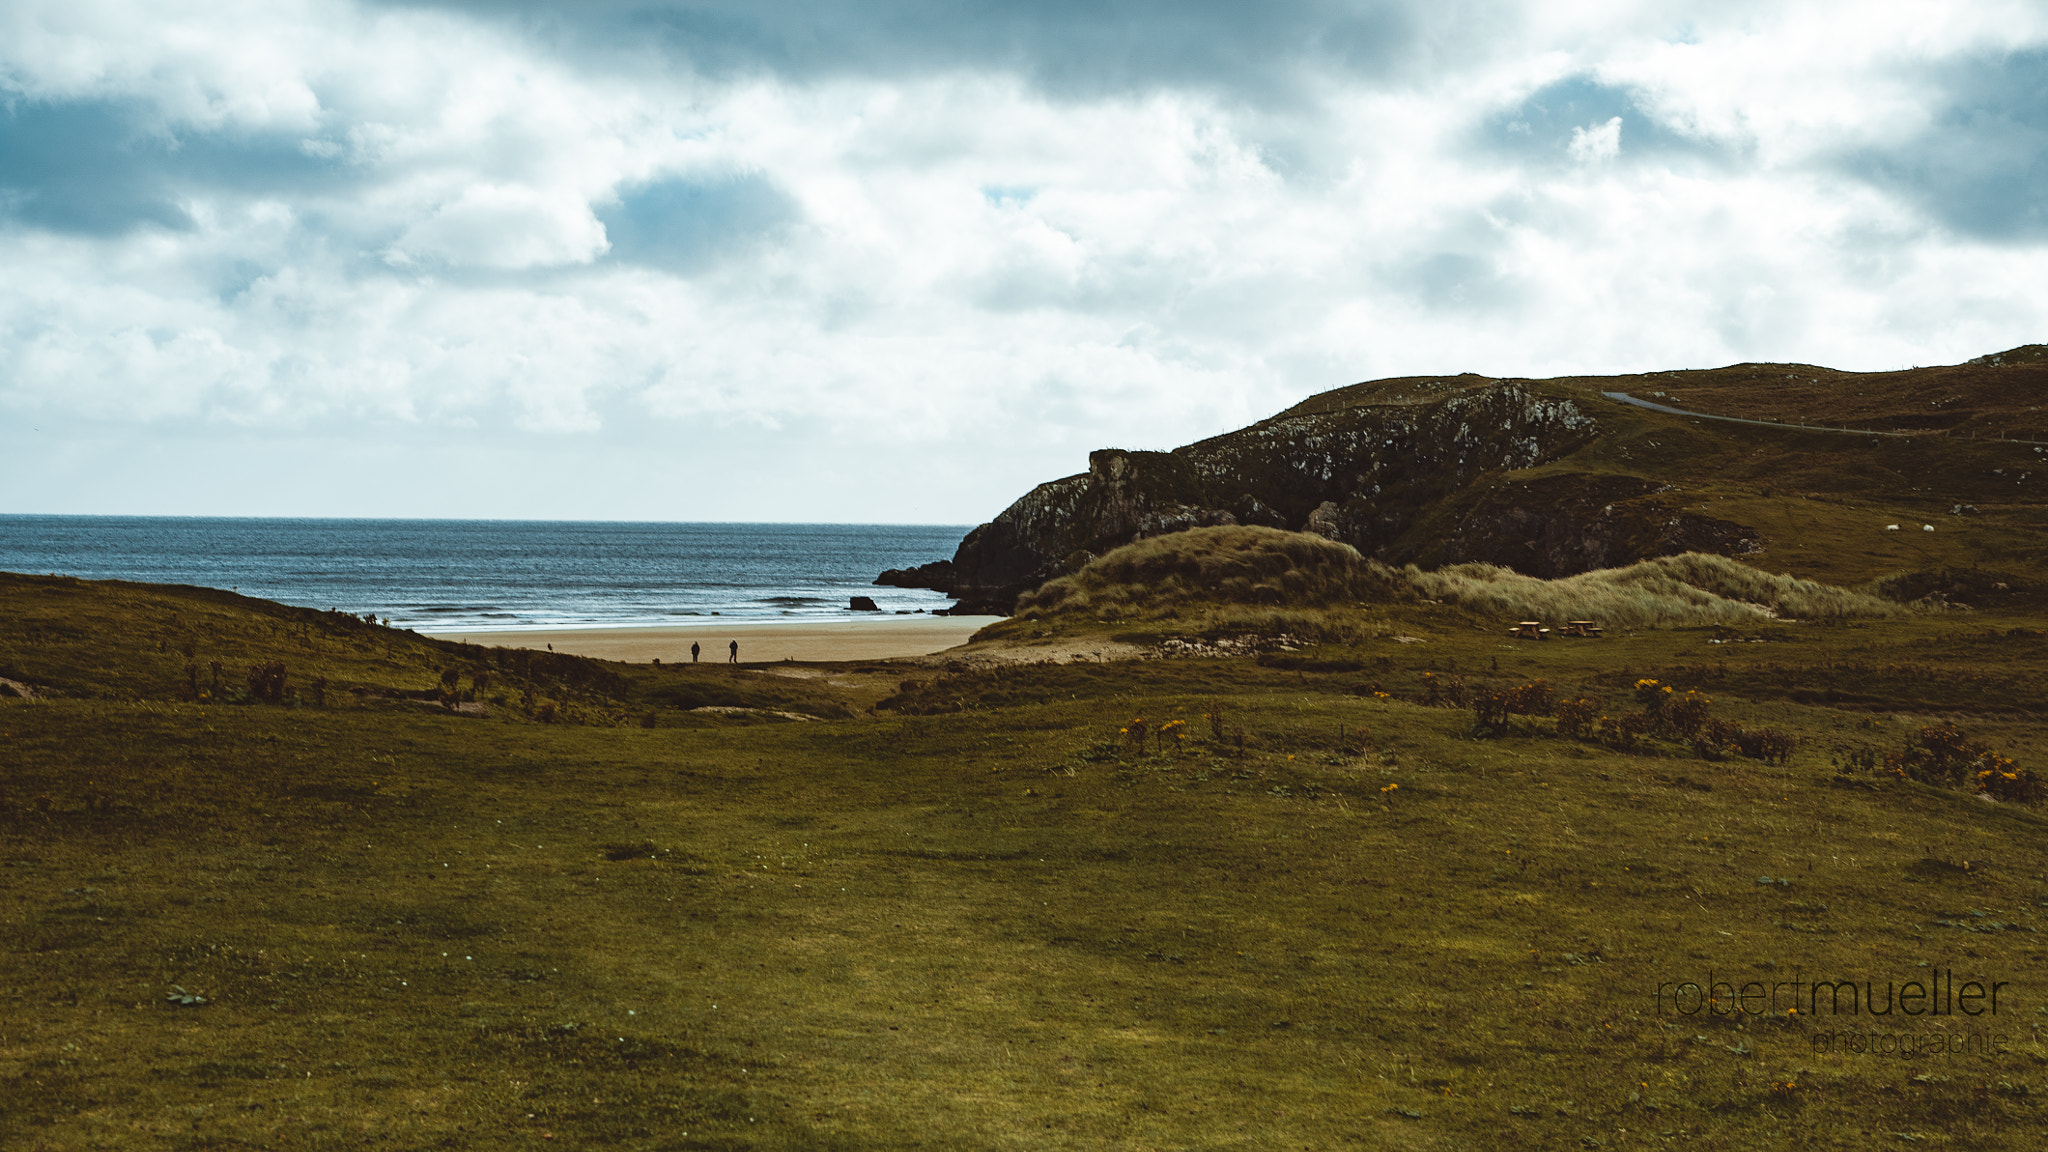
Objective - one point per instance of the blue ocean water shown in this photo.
(473, 574)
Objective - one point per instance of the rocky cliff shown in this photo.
(1364, 466)
(1806, 465)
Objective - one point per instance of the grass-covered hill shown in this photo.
(124, 641)
(1194, 573)
(1417, 885)
(1801, 470)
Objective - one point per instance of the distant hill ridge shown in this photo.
(1554, 477)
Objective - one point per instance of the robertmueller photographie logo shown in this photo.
(1849, 1015)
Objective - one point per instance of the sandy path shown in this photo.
(759, 642)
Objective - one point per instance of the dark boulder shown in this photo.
(937, 576)
(862, 604)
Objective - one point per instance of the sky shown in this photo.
(899, 261)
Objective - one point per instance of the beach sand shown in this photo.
(759, 642)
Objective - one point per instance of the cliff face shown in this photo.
(1360, 469)
(1557, 477)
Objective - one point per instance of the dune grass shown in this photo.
(1687, 590)
(1236, 565)
(1224, 580)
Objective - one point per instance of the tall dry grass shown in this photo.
(1236, 565)
(1266, 580)
(1693, 588)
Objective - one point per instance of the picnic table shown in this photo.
(1587, 628)
(1530, 630)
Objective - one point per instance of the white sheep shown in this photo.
(1891, 527)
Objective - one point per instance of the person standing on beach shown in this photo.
(694, 649)
(735, 653)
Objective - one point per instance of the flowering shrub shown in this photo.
(1136, 730)
(1679, 717)
(1576, 717)
(2002, 779)
(1172, 730)
(1438, 691)
(1623, 731)
(1491, 710)
(1941, 754)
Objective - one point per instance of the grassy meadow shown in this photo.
(1330, 878)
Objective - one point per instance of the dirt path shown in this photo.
(1625, 398)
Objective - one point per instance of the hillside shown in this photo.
(1418, 887)
(1557, 477)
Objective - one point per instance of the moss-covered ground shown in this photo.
(983, 914)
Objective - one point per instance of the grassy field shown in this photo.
(1270, 897)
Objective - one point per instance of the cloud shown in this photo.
(989, 239)
(82, 168)
(1595, 143)
(1071, 51)
(495, 226)
(684, 225)
(1980, 162)
(1580, 119)
(105, 166)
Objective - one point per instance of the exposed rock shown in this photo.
(862, 604)
(1573, 522)
(937, 576)
(1353, 465)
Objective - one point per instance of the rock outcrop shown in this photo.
(1556, 477)
(1362, 466)
(937, 576)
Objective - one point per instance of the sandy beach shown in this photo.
(760, 642)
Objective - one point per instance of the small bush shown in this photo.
(2001, 779)
(1940, 754)
(267, 682)
(1622, 732)
(1576, 717)
(1680, 717)
(1439, 691)
(1171, 734)
(1492, 710)
(1767, 744)
(1135, 733)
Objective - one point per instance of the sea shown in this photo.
(474, 575)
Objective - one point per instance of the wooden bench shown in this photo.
(1579, 628)
(1530, 630)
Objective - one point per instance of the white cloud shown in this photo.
(386, 221)
(1596, 143)
(493, 226)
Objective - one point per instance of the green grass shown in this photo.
(1005, 925)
